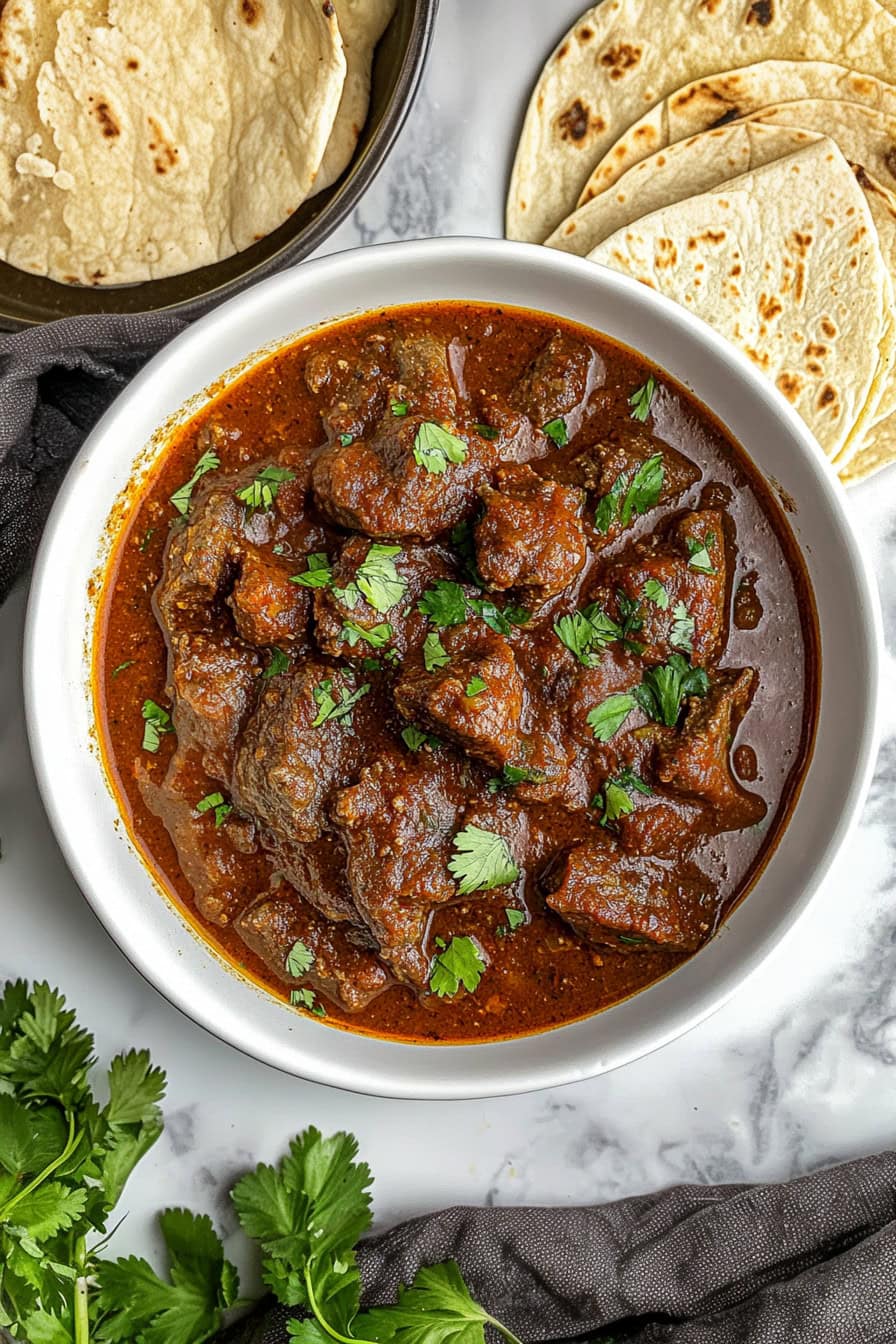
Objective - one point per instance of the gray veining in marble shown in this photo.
(797, 1071)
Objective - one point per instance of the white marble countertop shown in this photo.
(798, 1072)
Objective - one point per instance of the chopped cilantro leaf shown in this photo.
(214, 802)
(435, 447)
(494, 618)
(156, 722)
(607, 511)
(657, 593)
(575, 632)
(379, 580)
(515, 774)
(415, 739)
(556, 430)
(698, 553)
(376, 637)
(349, 596)
(645, 489)
(399, 408)
(261, 492)
(516, 615)
(486, 431)
(515, 919)
(305, 998)
(434, 654)
(681, 636)
(346, 439)
(615, 799)
(371, 665)
(460, 964)
(146, 539)
(475, 686)
(607, 718)
(641, 399)
(122, 667)
(318, 573)
(279, 548)
(663, 688)
(279, 663)
(444, 603)
(299, 960)
(209, 461)
(481, 860)
(329, 709)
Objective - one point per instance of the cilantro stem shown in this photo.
(82, 1319)
(502, 1329)
(334, 1334)
(70, 1146)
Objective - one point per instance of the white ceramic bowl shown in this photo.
(61, 615)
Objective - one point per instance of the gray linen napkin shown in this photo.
(55, 383)
(812, 1261)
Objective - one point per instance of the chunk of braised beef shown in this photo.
(201, 557)
(662, 825)
(631, 902)
(609, 466)
(213, 682)
(267, 608)
(474, 700)
(557, 383)
(678, 585)
(696, 762)
(376, 485)
(530, 535)
(288, 765)
(353, 392)
(348, 975)
(342, 612)
(398, 823)
(316, 869)
(213, 865)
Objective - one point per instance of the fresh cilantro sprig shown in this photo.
(216, 803)
(435, 447)
(318, 573)
(459, 963)
(260, 493)
(607, 718)
(699, 557)
(156, 723)
(379, 580)
(481, 860)
(641, 400)
(446, 603)
(331, 710)
(588, 632)
(629, 497)
(183, 495)
(664, 687)
(511, 775)
(615, 799)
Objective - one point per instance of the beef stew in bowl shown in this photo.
(456, 671)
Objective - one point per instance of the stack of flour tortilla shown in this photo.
(144, 138)
(740, 157)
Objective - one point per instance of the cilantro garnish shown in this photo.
(475, 686)
(607, 718)
(681, 636)
(379, 580)
(376, 637)
(657, 593)
(214, 802)
(299, 960)
(399, 408)
(306, 998)
(318, 573)
(627, 500)
(515, 919)
(615, 799)
(279, 664)
(512, 775)
(664, 687)
(146, 539)
(556, 430)
(641, 399)
(435, 447)
(586, 633)
(444, 603)
(434, 655)
(486, 431)
(415, 739)
(698, 553)
(496, 619)
(122, 667)
(209, 461)
(460, 963)
(481, 861)
(156, 722)
(331, 710)
(346, 439)
(260, 493)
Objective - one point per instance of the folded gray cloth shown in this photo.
(55, 383)
(812, 1261)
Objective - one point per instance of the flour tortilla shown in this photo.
(165, 134)
(681, 170)
(624, 56)
(731, 95)
(813, 312)
(362, 24)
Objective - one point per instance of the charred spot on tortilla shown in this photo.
(790, 384)
(251, 11)
(761, 12)
(733, 114)
(620, 59)
(573, 122)
(585, 33)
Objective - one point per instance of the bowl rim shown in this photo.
(316, 1059)
(346, 194)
